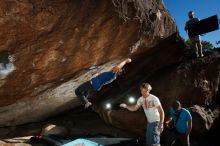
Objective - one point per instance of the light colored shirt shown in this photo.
(150, 105)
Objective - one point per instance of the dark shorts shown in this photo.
(84, 91)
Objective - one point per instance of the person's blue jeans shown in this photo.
(84, 91)
(153, 134)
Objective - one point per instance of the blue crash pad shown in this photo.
(82, 142)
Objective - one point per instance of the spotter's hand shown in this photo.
(123, 105)
(128, 60)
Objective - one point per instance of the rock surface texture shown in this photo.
(47, 48)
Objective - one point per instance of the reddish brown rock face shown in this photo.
(52, 42)
(47, 49)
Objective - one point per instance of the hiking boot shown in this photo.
(88, 104)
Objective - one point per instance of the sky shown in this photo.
(203, 8)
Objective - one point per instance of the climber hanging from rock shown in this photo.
(83, 92)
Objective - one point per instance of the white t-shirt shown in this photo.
(150, 105)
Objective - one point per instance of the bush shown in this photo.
(205, 44)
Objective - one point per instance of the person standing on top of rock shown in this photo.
(196, 41)
(181, 120)
(153, 111)
(83, 92)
